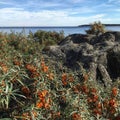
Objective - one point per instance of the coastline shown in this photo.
(84, 25)
(107, 25)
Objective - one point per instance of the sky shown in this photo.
(58, 12)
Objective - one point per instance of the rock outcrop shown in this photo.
(98, 54)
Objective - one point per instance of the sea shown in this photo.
(67, 30)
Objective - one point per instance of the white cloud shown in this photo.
(17, 16)
(55, 12)
(21, 17)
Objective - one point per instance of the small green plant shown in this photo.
(96, 28)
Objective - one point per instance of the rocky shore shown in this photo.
(100, 55)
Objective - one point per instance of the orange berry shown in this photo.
(97, 111)
(113, 103)
(31, 68)
(64, 83)
(58, 114)
(75, 89)
(39, 105)
(99, 105)
(84, 89)
(25, 116)
(44, 93)
(42, 100)
(64, 77)
(114, 91)
(4, 68)
(34, 74)
(89, 100)
(112, 111)
(76, 116)
(2, 84)
(45, 69)
(47, 105)
(50, 76)
(1, 90)
(25, 90)
(93, 90)
(95, 98)
(34, 113)
(16, 62)
(71, 78)
(85, 77)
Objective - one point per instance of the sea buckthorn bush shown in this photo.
(31, 88)
(47, 37)
(96, 28)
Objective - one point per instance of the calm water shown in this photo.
(67, 30)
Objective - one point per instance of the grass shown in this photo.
(31, 88)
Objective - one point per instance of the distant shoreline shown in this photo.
(84, 25)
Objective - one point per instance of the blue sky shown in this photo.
(58, 12)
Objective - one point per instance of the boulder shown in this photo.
(98, 54)
(54, 51)
(77, 38)
(117, 35)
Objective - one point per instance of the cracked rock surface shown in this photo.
(98, 54)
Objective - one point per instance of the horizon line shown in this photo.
(58, 26)
(39, 26)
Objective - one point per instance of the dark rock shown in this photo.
(98, 54)
(116, 34)
(104, 75)
(113, 64)
(104, 37)
(93, 70)
(54, 51)
(102, 59)
(77, 38)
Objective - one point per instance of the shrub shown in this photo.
(96, 28)
(48, 38)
